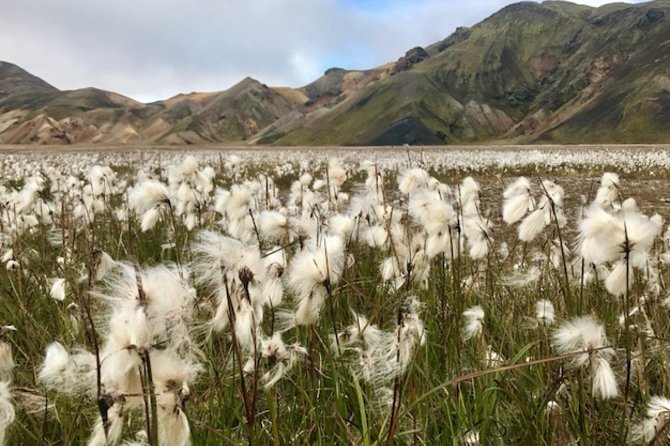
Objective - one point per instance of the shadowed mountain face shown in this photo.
(554, 72)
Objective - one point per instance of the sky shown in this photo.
(154, 49)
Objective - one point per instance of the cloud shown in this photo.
(153, 49)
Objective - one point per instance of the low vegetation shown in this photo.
(246, 299)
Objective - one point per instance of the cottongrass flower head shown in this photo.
(72, 374)
(342, 225)
(601, 235)
(522, 277)
(381, 356)
(469, 194)
(624, 239)
(549, 209)
(312, 273)
(471, 438)
(173, 376)
(272, 288)
(410, 332)
(608, 194)
(6, 359)
(144, 309)
(6, 410)
(147, 199)
(220, 264)
(427, 207)
(57, 290)
(553, 408)
(605, 237)
(474, 322)
(532, 225)
(654, 428)
(586, 335)
(518, 201)
(147, 194)
(411, 179)
(273, 225)
(544, 312)
(477, 230)
(279, 358)
(492, 358)
(360, 333)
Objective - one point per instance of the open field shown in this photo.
(335, 295)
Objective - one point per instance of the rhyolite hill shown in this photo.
(554, 72)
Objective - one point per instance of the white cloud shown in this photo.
(305, 67)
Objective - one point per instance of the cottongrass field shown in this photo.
(382, 297)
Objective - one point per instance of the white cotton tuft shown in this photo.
(410, 332)
(411, 179)
(474, 322)
(341, 225)
(150, 218)
(221, 198)
(246, 326)
(532, 225)
(146, 195)
(273, 225)
(492, 358)
(309, 307)
(471, 439)
(325, 261)
(55, 362)
(629, 205)
(105, 264)
(479, 248)
(515, 208)
(110, 436)
(609, 179)
(6, 360)
(442, 243)
(375, 236)
(7, 256)
(189, 165)
(658, 418)
(517, 201)
(544, 312)
(190, 221)
(173, 428)
(129, 328)
(57, 290)
(617, 279)
(579, 334)
(7, 412)
(604, 383)
(520, 186)
(469, 190)
(585, 334)
(607, 195)
(280, 358)
(305, 179)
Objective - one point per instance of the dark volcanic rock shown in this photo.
(411, 58)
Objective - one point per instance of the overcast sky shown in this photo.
(154, 49)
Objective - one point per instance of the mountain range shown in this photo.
(551, 72)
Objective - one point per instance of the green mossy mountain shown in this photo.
(551, 72)
(554, 72)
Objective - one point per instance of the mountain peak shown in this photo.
(4, 65)
(12, 76)
(246, 83)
